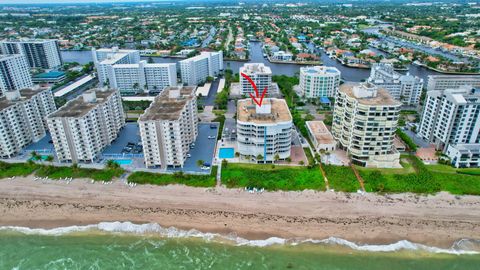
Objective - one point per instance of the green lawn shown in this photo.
(341, 178)
(272, 177)
(176, 178)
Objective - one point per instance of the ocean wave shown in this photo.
(463, 246)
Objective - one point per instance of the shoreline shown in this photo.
(437, 220)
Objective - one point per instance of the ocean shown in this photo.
(123, 245)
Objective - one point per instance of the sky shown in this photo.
(73, 1)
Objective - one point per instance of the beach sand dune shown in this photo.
(436, 220)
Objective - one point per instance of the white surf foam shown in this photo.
(463, 246)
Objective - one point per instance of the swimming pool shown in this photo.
(226, 153)
(42, 157)
(123, 161)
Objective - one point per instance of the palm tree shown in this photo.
(111, 164)
(49, 159)
(276, 157)
(259, 157)
(74, 167)
(34, 155)
(200, 163)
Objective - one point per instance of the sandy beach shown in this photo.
(437, 220)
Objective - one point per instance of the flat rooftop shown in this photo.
(168, 106)
(247, 111)
(78, 107)
(250, 68)
(320, 132)
(320, 70)
(113, 58)
(382, 97)
(25, 94)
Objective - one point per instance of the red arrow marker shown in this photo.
(257, 95)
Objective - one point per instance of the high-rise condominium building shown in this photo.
(443, 82)
(364, 123)
(405, 88)
(39, 53)
(23, 118)
(260, 74)
(14, 73)
(169, 126)
(195, 70)
(264, 133)
(142, 77)
(84, 126)
(451, 116)
(105, 58)
(319, 81)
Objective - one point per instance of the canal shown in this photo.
(348, 73)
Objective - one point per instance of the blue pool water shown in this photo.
(123, 161)
(226, 153)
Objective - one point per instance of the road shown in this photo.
(212, 94)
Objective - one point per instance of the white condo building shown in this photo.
(84, 126)
(451, 117)
(195, 70)
(319, 81)
(14, 73)
(169, 126)
(260, 74)
(39, 53)
(405, 88)
(443, 82)
(364, 123)
(23, 118)
(142, 77)
(105, 58)
(264, 132)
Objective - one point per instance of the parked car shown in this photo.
(188, 155)
(211, 137)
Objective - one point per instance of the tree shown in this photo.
(209, 79)
(49, 159)
(75, 167)
(276, 157)
(112, 165)
(259, 157)
(34, 155)
(200, 163)
(224, 163)
(301, 162)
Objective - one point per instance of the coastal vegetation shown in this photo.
(272, 177)
(58, 172)
(174, 178)
(423, 179)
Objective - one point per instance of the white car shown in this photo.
(205, 168)
(188, 155)
(211, 137)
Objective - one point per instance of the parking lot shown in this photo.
(204, 149)
(43, 146)
(127, 142)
